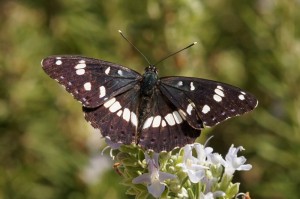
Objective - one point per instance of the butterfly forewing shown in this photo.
(165, 127)
(205, 100)
(90, 81)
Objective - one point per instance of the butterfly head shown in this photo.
(151, 69)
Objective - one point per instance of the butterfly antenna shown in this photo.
(175, 53)
(134, 47)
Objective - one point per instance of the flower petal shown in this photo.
(164, 176)
(195, 176)
(156, 189)
(245, 167)
(144, 178)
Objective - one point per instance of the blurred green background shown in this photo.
(48, 151)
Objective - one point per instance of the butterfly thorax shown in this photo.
(149, 81)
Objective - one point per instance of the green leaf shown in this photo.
(232, 190)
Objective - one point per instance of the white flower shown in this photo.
(211, 195)
(233, 163)
(194, 167)
(215, 158)
(155, 178)
(202, 152)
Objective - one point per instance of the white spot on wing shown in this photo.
(80, 71)
(80, 66)
(119, 113)
(241, 97)
(180, 83)
(219, 92)
(163, 123)
(170, 119)
(156, 121)
(126, 114)
(107, 71)
(205, 109)
(220, 87)
(109, 102)
(102, 91)
(58, 62)
(133, 119)
(120, 72)
(192, 86)
(189, 109)
(115, 107)
(82, 61)
(87, 86)
(147, 123)
(177, 117)
(217, 98)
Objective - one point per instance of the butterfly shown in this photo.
(154, 113)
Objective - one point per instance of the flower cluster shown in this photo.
(194, 171)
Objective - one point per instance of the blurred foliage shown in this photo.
(48, 151)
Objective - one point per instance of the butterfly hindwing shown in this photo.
(117, 117)
(90, 81)
(209, 101)
(165, 127)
